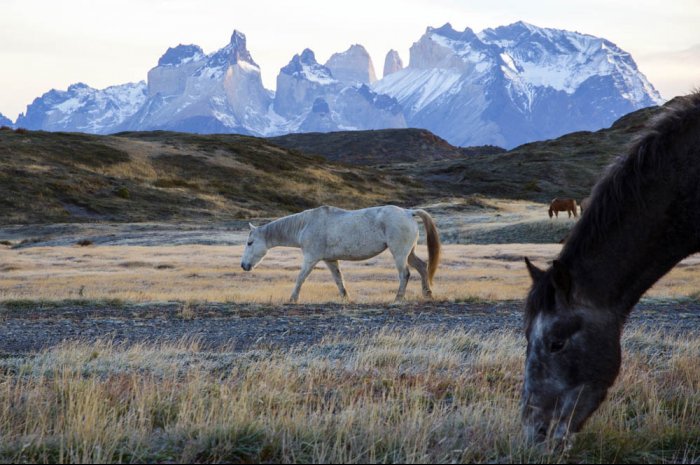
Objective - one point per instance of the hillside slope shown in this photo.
(379, 147)
(149, 176)
(167, 176)
(568, 166)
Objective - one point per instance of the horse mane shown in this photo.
(287, 226)
(622, 186)
(625, 179)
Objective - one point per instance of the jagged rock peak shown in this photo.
(305, 66)
(353, 65)
(181, 54)
(392, 63)
(446, 30)
(306, 57)
(234, 52)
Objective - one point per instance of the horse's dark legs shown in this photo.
(337, 276)
(422, 269)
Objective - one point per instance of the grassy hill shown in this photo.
(148, 176)
(567, 166)
(167, 176)
(379, 147)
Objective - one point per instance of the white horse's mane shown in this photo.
(284, 228)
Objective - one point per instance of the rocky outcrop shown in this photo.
(392, 63)
(174, 67)
(220, 92)
(300, 83)
(315, 101)
(352, 66)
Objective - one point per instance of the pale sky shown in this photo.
(47, 44)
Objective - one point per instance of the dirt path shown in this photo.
(27, 328)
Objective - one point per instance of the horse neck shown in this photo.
(613, 262)
(284, 232)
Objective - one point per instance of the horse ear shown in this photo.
(535, 273)
(561, 278)
(252, 227)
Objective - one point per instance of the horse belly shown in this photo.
(358, 249)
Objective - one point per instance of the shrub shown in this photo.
(123, 193)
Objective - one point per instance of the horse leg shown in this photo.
(337, 276)
(400, 258)
(422, 269)
(306, 268)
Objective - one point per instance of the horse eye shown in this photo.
(557, 345)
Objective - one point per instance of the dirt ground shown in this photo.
(244, 327)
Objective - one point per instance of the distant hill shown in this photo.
(568, 166)
(165, 176)
(379, 147)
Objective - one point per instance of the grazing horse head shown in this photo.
(255, 250)
(573, 355)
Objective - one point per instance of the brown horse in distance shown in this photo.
(562, 205)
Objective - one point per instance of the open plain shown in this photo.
(135, 342)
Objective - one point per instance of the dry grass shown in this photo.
(213, 273)
(413, 397)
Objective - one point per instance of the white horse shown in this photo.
(331, 234)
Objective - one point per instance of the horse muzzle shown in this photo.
(246, 266)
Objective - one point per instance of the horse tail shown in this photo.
(433, 238)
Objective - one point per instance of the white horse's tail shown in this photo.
(433, 237)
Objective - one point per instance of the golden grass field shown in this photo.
(442, 396)
(414, 396)
(212, 273)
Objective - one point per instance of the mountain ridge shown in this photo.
(502, 86)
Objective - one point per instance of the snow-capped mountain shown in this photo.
(219, 92)
(515, 84)
(81, 108)
(5, 121)
(502, 86)
(313, 99)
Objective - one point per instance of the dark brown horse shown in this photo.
(562, 205)
(643, 219)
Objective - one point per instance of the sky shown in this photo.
(52, 44)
